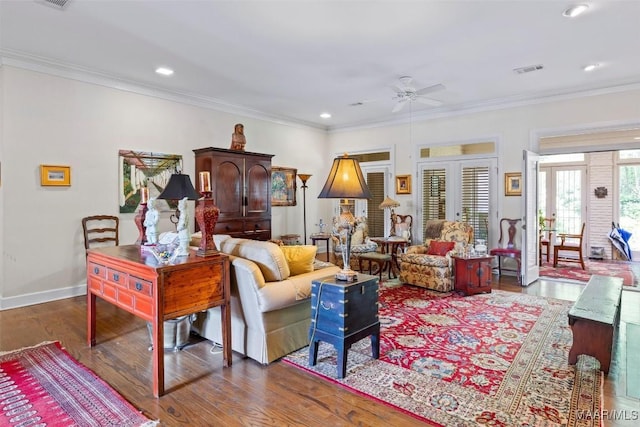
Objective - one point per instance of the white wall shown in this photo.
(54, 120)
(514, 129)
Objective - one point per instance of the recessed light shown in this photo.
(574, 11)
(164, 71)
(325, 115)
(591, 67)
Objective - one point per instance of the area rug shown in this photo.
(495, 359)
(574, 273)
(45, 386)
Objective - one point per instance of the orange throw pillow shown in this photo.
(437, 247)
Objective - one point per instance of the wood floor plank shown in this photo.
(203, 393)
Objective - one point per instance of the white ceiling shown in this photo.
(292, 60)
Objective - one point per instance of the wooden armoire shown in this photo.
(241, 189)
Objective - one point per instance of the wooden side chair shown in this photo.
(507, 244)
(570, 243)
(546, 236)
(100, 230)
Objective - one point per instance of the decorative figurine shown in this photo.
(238, 139)
(183, 228)
(151, 222)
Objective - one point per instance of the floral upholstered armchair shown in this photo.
(430, 265)
(360, 242)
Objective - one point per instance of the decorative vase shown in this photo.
(207, 217)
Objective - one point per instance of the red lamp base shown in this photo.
(207, 217)
(139, 220)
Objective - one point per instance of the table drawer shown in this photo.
(125, 299)
(117, 277)
(109, 292)
(229, 227)
(143, 307)
(97, 270)
(142, 286)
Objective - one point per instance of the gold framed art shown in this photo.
(403, 184)
(513, 184)
(283, 186)
(53, 175)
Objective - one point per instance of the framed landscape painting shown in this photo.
(283, 186)
(138, 169)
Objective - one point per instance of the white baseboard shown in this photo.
(41, 297)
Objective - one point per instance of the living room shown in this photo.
(59, 115)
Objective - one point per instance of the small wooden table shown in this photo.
(136, 282)
(383, 261)
(324, 237)
(594, 318)
(472, 274)
(391, 245)
(343, 313)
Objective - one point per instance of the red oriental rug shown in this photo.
(495, 359)
(45, 386)
(629, 272)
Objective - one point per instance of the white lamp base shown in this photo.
(347, 275)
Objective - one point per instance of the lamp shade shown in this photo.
(345, 181)
(388, 202)
(179, 186)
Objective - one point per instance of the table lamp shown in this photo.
(345, 181)
(178, 188)
(389, 203)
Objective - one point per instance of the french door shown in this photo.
(563, 195)
(462, 190)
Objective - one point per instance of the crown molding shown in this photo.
(47, 66)
(492, 105)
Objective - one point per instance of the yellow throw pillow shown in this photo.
(300, 258)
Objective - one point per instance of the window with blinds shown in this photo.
(434, 200)
(375, 216)
(475, 199)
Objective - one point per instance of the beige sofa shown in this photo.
(270, 306)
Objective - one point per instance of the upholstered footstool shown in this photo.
(382, 260)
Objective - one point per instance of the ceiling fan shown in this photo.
(405, 92)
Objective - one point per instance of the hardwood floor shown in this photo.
(203, 393)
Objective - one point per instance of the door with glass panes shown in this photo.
(461, 190)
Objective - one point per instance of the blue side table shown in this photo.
(343, 313)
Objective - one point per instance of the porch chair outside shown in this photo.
(546, 237)
(569, 243)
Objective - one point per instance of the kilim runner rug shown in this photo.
(496, 359)
(627, 271)
(45, 386)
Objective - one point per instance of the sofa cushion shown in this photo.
(268, 256)
(299, 257)
(440, 248)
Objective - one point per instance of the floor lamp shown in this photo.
(345, 181)
(304, 178)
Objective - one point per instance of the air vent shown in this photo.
(528, 69)
(58, 4)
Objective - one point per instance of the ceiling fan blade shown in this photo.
(399, 105)
(430, 89)
(429, 101)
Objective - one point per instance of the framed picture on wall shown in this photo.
(403, 184)
(513, 184)
(144, 169)
(283, 186)
(51, 175)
